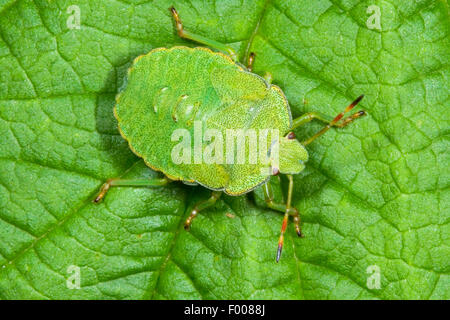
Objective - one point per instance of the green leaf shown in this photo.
(374, 196)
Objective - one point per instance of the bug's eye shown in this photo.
(290, 135)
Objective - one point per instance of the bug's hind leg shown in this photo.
(200, 39)
(158, 182)
(283, 207)
(215, 195)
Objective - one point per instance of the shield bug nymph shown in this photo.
(175, 93)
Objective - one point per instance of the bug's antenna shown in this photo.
(345, 122)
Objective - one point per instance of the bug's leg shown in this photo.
(251, 60)
(286, 217)
(158, 182)
(269, 198)
(335, 121)
(286, 208)
(296, 215)
(310, 116)
(215, 195)
(200, 39)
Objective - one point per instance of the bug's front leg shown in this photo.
(199, 206)
(283, 207)
(200, 39)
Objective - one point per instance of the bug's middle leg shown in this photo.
(199, 206)
(200, 39)
(283, 207)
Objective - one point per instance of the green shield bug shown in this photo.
(210, 96)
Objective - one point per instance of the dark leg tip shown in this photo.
(358, 100)
(98, 198)
(279, 252)
(187, 227)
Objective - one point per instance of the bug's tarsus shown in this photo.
(357, 100)
(215, 195)
(280, 248)
(178, 23)
(335, 121)
(349, 119)
(349, 107)
(298, 230)
(251, 60)
(188, 222)
(103, 190)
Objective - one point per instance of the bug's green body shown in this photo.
(210, 96)
(171, 89)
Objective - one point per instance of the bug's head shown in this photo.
(292, 156)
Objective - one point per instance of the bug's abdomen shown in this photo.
(179, 90)
(178, 83)
(167, 89)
